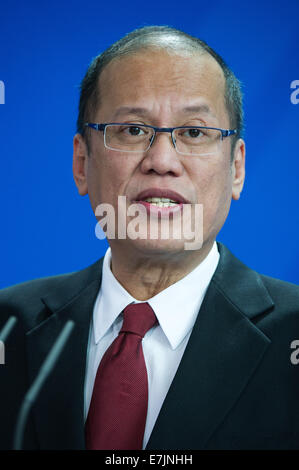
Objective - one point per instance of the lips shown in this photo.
(161, 193)
(161, 202)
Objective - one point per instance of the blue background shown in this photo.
(45, 48)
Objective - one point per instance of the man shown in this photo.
(160, 125)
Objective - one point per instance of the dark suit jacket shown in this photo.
(235, 388)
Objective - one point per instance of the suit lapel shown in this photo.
(59, 409)
(222, 354)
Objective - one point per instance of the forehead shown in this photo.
(159, 80)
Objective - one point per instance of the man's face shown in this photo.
(162, 86)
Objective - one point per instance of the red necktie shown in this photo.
(118, 408)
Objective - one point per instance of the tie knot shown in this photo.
(138, 319)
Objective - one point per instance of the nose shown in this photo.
(162, 157)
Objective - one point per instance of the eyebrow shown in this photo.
(203, 108)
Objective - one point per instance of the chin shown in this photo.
(159, 247)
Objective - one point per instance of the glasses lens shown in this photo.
(128, 137)
(197, 141)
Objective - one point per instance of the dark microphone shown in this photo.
(6, 330)
(44, 371)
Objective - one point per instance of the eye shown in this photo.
(193, 133)
(134, 130)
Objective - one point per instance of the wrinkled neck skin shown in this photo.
(144, 275)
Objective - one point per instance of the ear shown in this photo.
(80, 164)
(238, 169)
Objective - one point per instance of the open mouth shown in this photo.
(161, 197)
(161, 201)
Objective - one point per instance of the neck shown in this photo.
(144, 275)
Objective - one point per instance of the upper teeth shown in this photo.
(161, 201)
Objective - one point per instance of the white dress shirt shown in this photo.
(176, 309)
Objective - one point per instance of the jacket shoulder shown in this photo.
(254, 293)
(25, 300)
(284, 294)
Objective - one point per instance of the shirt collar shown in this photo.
(176, 307)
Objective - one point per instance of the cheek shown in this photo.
(108, 176)
(214, 190)
(211, 179)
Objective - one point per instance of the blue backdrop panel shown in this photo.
(45, 48)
